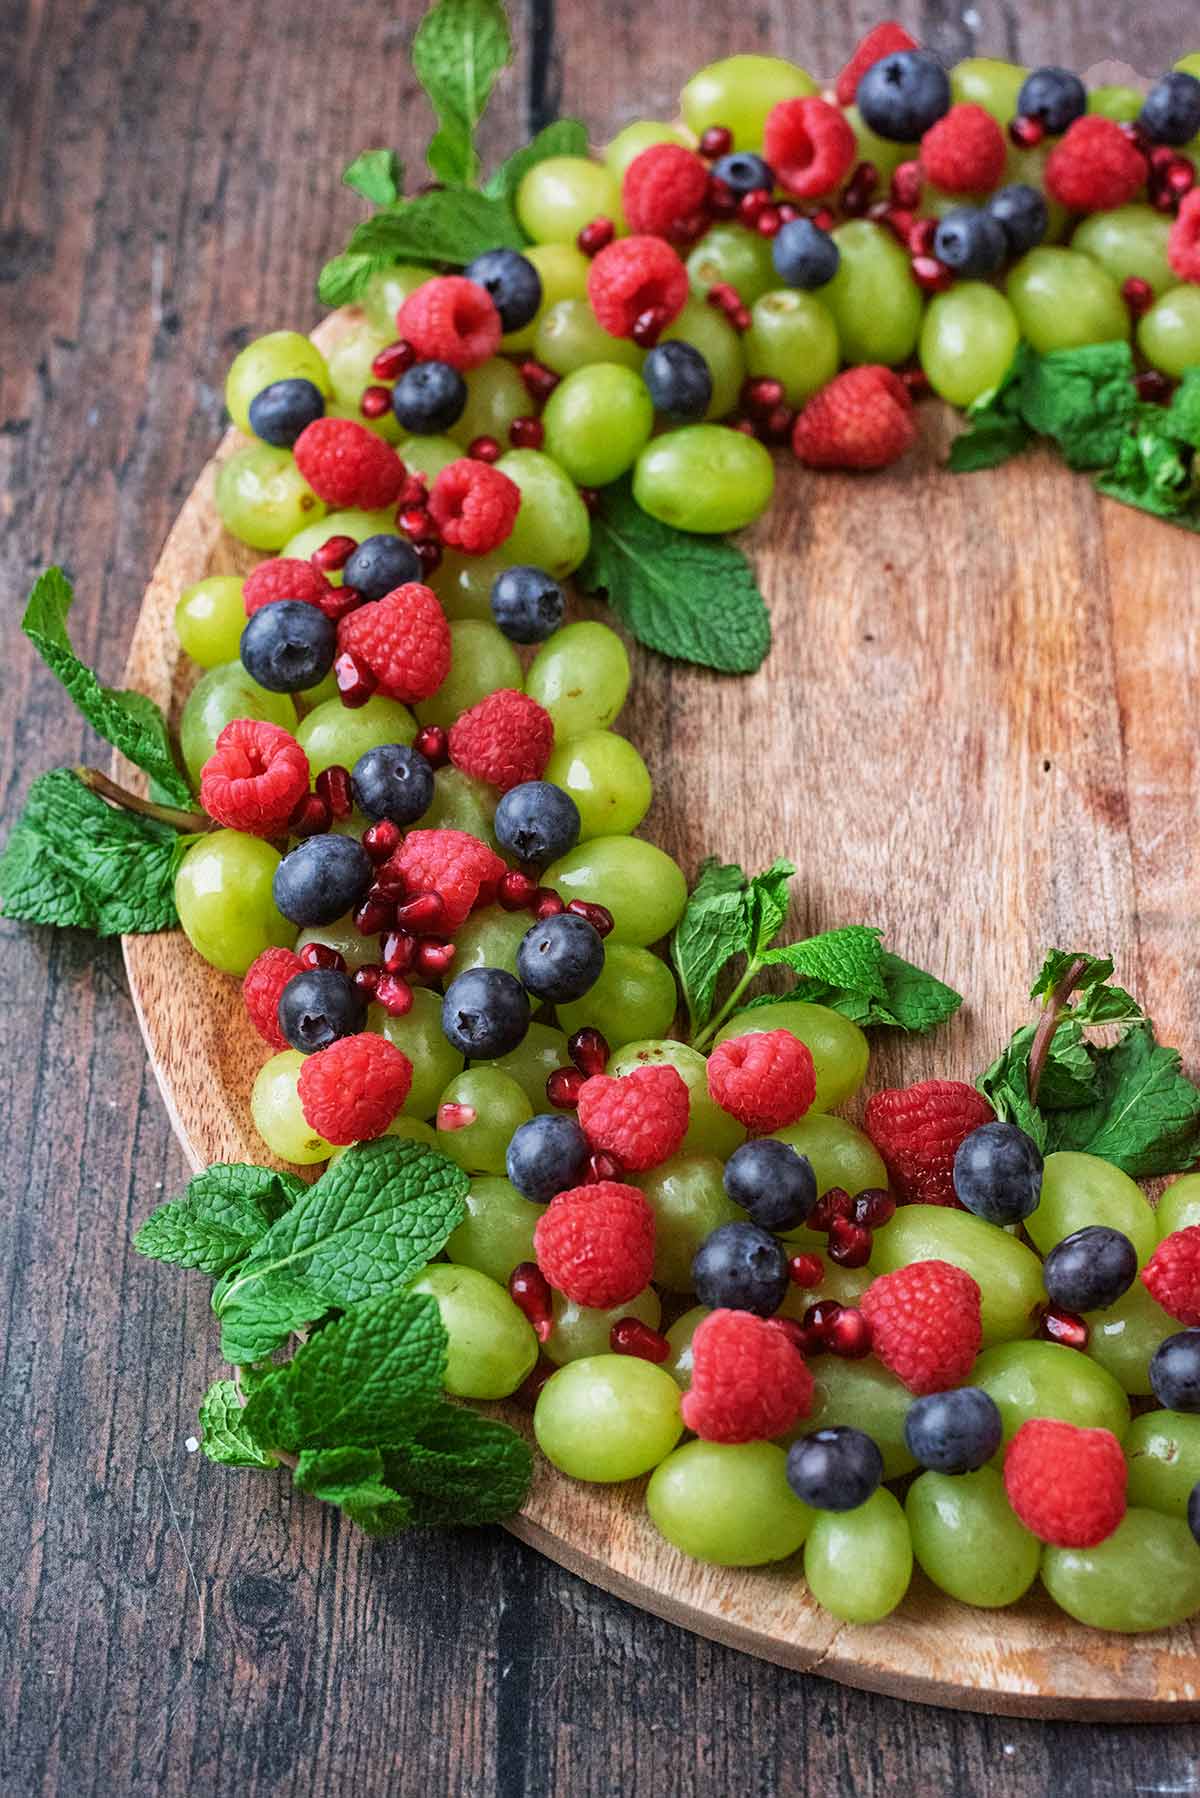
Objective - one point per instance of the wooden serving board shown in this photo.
(976, 728)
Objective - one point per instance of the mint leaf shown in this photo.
(688, 596)
(913, 1000)
(715, 926)
(1093, 1000)
(1152, 472)
(1053, 971)
(1084, 398)
(218, 1218)
(770, 895)
(563, 137)
(995, 429)
(129, 721)
(378, 175)
(1145, 1116)
(223, 1433)
(458, 51)
(460, 1468)
(353, 1478)
(1006, 1086)
(846, 959)
(438, 227)
(343, 278)
(1183, 414)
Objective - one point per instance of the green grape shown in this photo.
(704, 478)
(419, 1035)
(688, 1202)
(350, 523)
(1115, 102)
(428, 456)
(986, 81)
(680, 1334)
(1123, 1338)
(210, 618)
(839, 1049)
(738, 92)
(793, 338)
(732, 255)
(482, 661)
(553, 530)
(1008, 1274)
(1163, 1451)
(500, 1106)
(562, 194)
(581, 676)
(1130, 240)
(334, 735)
(223, 694)
(875, 302)
(312, 697)
(1045, 1379)
(1169, 334)
(490, 938)
(563, 271)
(262, 498)
(1145, 1576)
(967, 1539)
(491, 1346)
(597, 422)
(275, 1108)
(607, 779)
(607, 1418)
(385, 293)
(1190, 64)
(533, 1060)
(497, 1233)
(496, 395)
(633, 998)
(1179, 1206)
(633, 139)
(858, 1563)
(1063, 299)
(1029, 167)
(728, 1503)
(350, 362)
(224, 900)
(279, 356)
(356, 950)
(845, 1284)
(710, 1131)
(884, 156)
(464, 583)
(569, 336)
(638, 883)
(866, 1396)
(710, 332)
(968, 340)
(460, 802)
(840, 1155)
(1078, 1190)
(407, 1129)
(579, 1331)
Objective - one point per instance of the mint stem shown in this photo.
(190, 822)
(714, 1024)
(1048, 1023)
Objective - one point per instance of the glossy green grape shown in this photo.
(224, 900)
(569, 336)
(210, 618)
(1179, 1206)
(986, 81)
(607, 1418)
(1130, 240)
(732, 255)
(407, 1129)
(563, 271)
(275, 1108)
(560, 195)
(710, 332)
(738, 92)
(533, 1060)
(460, 802)
(967, 1539)
(311, 697)
(633, 998)
(581, 676)
(490, 938)
(884, 156)
(1008, 1274)
(793, 338)
(500, 1106)
(710, 1130)
(597, 422)
(223, 694)
(1123, 1338)
(1115, 102)
(464, 583)
(497, 1233)
(839, 1049)
(875, 302)
(428, 456)
(845, 1284)
(680, 1334)
(1063, 299)
(350, 523)
(866, 1396)
(968, 340)
(419, 1035)
(1163, 1451)
(355, 949)
(350, 360)
(262, 498)
(632, 139)
(1190, 64)
(1045, 1379)
(1078, 1190)
(385, 293)
(335, 735)
(579, 1331)
(607, 779)
(482, 661)
(638, 883)
(279, 356)
(1169, 334)
(688, 1202)
(496, 395)
(491, 1346)
(840, 1155)
(705, 478)
(728, 1503)
(553, 530)
(1145, 1576)
(858, 1563)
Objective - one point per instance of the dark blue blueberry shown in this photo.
(322, 878)
(280, 412)
(1193, 1510)
(970, 241)
(1171, 110)
(772, 1182)
(741, 1268)
(834, 1470)
(954, 1432)
(998, 1173)
(485, 1013)
(288, 645)
(318, 1006)
(804, 255)
(744, 173)
(393, 781)
(429, 397)
(678, 380)
(1175, 1371)
(527, 603)
(548, 1155)
(1054, 97)
(513, 283)
(537, 822)
(1022, 214)
(1090, 1269)
(380, 564)
(903, 94)
(559, 958)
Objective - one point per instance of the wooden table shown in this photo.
(171, 185)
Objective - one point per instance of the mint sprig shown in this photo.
(378, 175)
(219, 1218)
(562, 137)
(223, 1433)
(459, 49)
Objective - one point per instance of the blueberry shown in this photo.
(998, 1173)
(1171, 111)
(513, 283)
(1022, 214)
(393, 781)
(548, 1155)
(380, 564)
(485, 1013)
(429, 397)
(834, 1470)
(903, 94)
(527, 603)
(772, 1182)
(1054, 97)
(804, 255)
(319, 1005)
(1175, 1371)
(970, 241)
(1193, 1510)
(322, 878)
(741, 1267)
(954, 1432)
(1090, 1269)
(560, 958)
(744, 173)
(280, 412)
(288, 645)
(537, 822)
(678, 380)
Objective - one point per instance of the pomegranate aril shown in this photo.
(921, 236)
(1137, 294)
(562, 1088)
(899, 221)
(398, 949)
(760, 395)
(529, 1290)
(432, 741)
(367, 978)
(392, 361)
(917, 382)
(849, 1335)
(415, 492)
(484, 449)
(433, 956)
(683, 232)
(516, 890)
(333, 784)
(595, 236)
(849, 1243)
(930, 275)
(856, 195)
(395, 995)
(776, 427)
(787, 212)
(722, 201)
(806, 1270)
(539, 380)
(1154, 386)
(602, 1166)
(715, 140)
(598, 916)
(1026, 133)
(429, 554)
(452, 1117)
(768, 222)
(649, 326)
(320, 955)
(373, 917)
(527, 433)
(375, 402)
(1064, 1327)
(310, 818)
(381, 840)
(751, 204)
(423, 912)
(588, 1050)
(546, 903)
(590, 497)
(416, 523)
(333, 554)
(823, 219)
(820, 1318)
(873, 1207)
(906, 184)
(835, 1203)
(630, 1336)
(530, 1389)
(355, 682)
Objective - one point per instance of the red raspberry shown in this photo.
(965, 152)
(505, 739)
(764, 1080)
(1094, 166)
(403, 639)
(450, 319)
(860, 419)
(664, 188)
(1066, 1484)
(474, 506)
(749, 1380)
(347, 465)
(1183, 245)
(810, 146)
(449, 862)
(351, 1091)
(255, 777)
(918, 1129)
(595, 1244)
(630, 277)
(1172, 1275)
(879, 42)
(640, 1118)
(925, 1325)
(268, 974)
(288, 577)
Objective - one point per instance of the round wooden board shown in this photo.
(976, 729)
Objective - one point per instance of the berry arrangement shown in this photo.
(405, 823)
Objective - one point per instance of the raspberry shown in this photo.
(505, 739)
(918, 1129)
(764, 1080)
(1172, 1275)
(664, 188)
(287, 577)
(1066, 1484)
(474, 506)
(255, 777)
(641, 1118)
(879, 42)
(965, 152)
(1094, 166)
(595, 1244)
(632, 276)
(347, 465)
(749, 1381)
(860, 419)
(451, 863)
(1183, 245)
(451, 319)
(351, 1091)
(268, 974)
(403, 639)
(810, 146)
(925, 1324)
